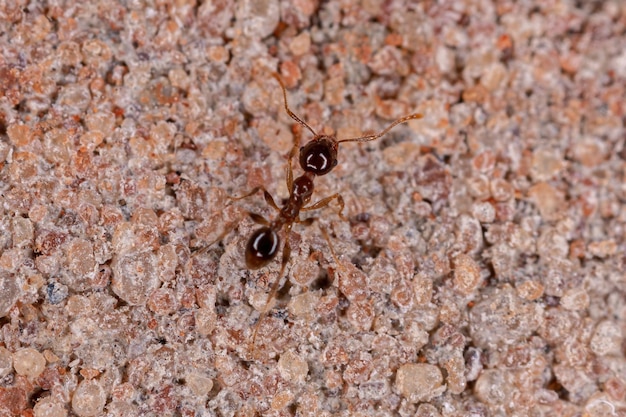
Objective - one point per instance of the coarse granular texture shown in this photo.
(481, 270)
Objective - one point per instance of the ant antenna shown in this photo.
(289, 112)
(361, 139)
(383, 132)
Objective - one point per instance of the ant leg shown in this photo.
(272, 293)
(289, 175)
(340, 265)
(325, 201)
(222, 235)
(306, 222)
(332, 249)
(258, 219)
(268, 197)
(289, 112)
(269, 200)
(297, 136)
(229, 228)
(254, 191)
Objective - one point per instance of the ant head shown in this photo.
(319, 156)
(261, 248)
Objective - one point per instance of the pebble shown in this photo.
(492, 387)
(552, 244)
(301, 44)
(575, 299)
(6, 362)
(9, 294)
(303, 305)
(258, 17)
(29, 362)
(603, 248)
(466, 274)
(484, 212)
(455, 368)
(305, 272)
(48, 407)
(530, 290)
(291, 74)
(445, 59)
(600, 406)
(162, 301)
(292, 367)
(494, 77)
(200, 385)
(74, 99)
(134, 277)
(282, 400)
(427, 410)
(422, 289)
(548, 200)
(501, 190)
(419, 382)
(12, 401)
(360, 314)
(56, 292)
(590, 152)
(80, 258)
(546, 164)
(478, 186)
(255, 98)
(401, 154)
(206, 319)
(469, 234)
(88, 399)
(20, 135)
(275, 135)
(503, 318)
(607, 339)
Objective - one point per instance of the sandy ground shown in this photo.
(480, 269)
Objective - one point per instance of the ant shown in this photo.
(318, 157)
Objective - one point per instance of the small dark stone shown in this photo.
(56, 292)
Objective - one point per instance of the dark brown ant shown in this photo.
(318, 157)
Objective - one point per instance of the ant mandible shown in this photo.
(318, 157)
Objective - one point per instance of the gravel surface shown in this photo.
(480, 269)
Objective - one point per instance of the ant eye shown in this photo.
(318, 156)
(262, 248)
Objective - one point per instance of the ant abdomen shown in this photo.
(262, 248)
